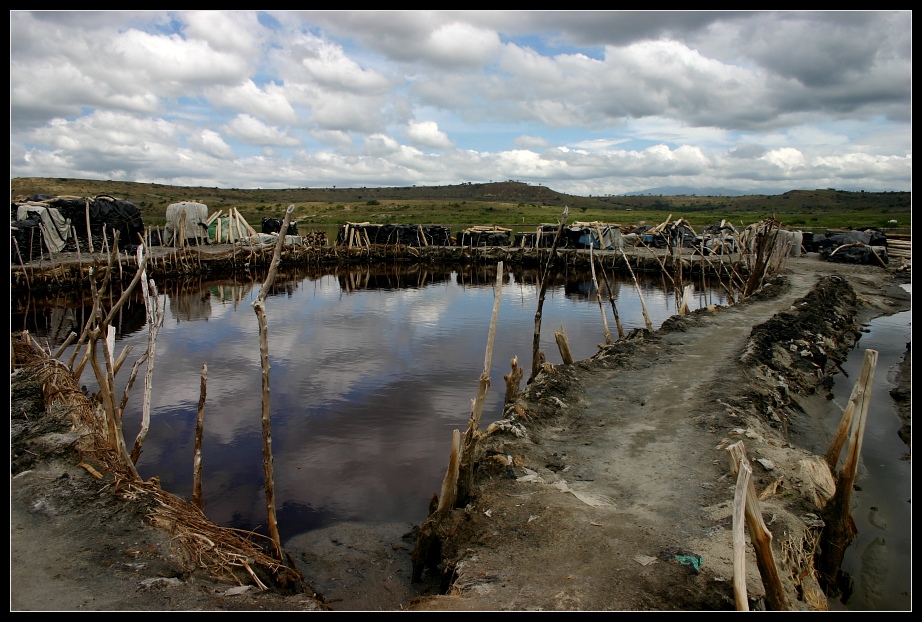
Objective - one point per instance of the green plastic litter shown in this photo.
(690, 560)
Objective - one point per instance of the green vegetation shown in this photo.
(501, 203)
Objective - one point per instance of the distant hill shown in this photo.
(699, 191)
(502, 202)
(505, 191)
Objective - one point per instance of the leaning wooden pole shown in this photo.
(427, 550)
(643, 305)
(259, 306)
(840, 528)
(197, 456)
(472, 434)
(536, 342)
(598, 295)
(739, 538)
(154, 309)
(855, 403)
(89, 232)
(761, 537)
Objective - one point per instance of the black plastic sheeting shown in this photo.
(833, 239)
(274, 225)
(407, 235)
(853, 246)
(107, 215)
(482, 238)
(26, 240)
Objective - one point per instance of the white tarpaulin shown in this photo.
(55, 228)
(196, 215)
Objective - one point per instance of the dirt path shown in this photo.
(623, 472)
(609, 475)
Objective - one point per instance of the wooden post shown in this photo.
(643, 305)
(857, 401)
(564, 346)
(683, 307)
(739, 538)
(259, 306)
(472, 434)
(197, 458)
(427, 543)
(513, 380)
(154, 309)
(77, 244)
(840, 528)
(761, 537)
(536, 342)
(598, 295)
(89, 232)
(182, 229)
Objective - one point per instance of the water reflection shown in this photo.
(371, 370)
(879, 560)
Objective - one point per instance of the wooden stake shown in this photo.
(739, 538)
(259, 306)
(472, 434)
(598, 295)
(77, 244)
(197, 459)
(611, 300)
(643, 305)
(154, 308)
(427, 543)
(563, 346)
(536, 342)
(513, 380)
(683, 307)
(761, 537)
(89, 232)
(840, 528)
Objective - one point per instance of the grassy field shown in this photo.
(499, 203)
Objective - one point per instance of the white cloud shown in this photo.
(255, 132)
(786, 158)
(269, 102)
(639, 99)
(211, 143)
(427, 134)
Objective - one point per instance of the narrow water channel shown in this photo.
(879, 560)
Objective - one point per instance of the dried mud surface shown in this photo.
(599, 489)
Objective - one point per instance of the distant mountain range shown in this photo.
(672, 191)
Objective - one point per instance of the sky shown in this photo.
(583, 102)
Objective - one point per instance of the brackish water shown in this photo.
(372, 369)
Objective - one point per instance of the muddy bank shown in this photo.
(606, 477)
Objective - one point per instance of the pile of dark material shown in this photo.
(477, 237)
(274, 225)
(26, 238)
(106, 216)
(543, 238)
(405, 235)
(669, 236)
(866, 246)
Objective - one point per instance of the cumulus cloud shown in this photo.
(427, 134)
(637, 99)
(255, 132)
